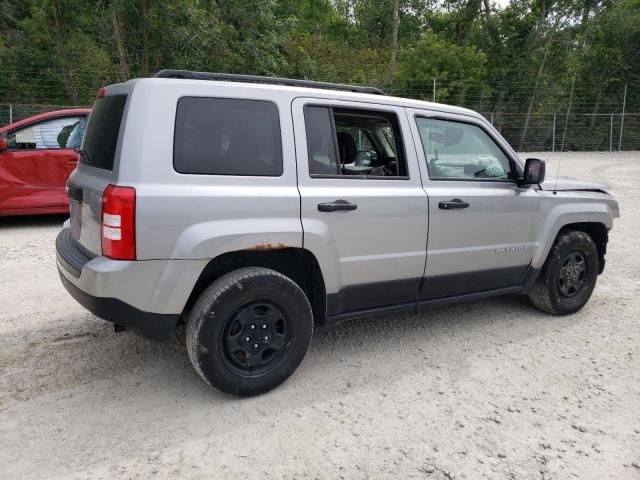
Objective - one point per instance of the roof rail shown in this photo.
(230, 77)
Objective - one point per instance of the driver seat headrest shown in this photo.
(347, 148)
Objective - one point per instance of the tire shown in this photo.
(249, 331)
(568, 276)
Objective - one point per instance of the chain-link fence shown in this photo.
(556, 132)
(553, 132)
(12, 112)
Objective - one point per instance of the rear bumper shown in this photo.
(147, 295)
(155, 326)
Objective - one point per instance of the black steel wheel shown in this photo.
(249, 331)
(255, 337)
(568, 276)
(572, 275)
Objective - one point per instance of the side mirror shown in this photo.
(534, 170)
(4, 144)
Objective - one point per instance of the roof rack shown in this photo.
(229, 77)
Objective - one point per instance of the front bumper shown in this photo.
(148, 296)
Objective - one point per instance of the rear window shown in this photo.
(101, 135)
(224, 136)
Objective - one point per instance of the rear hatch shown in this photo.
(95, 170)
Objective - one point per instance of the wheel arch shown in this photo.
(593, 218)
(298, 264)
(598, 232)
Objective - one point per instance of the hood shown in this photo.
(573, 184)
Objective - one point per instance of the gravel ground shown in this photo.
(491, 389)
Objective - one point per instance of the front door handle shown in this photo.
(451, 204)
(336, 205)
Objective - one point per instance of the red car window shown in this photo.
(58, 133)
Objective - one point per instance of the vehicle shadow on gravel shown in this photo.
(367, 351)
(434, 336)
(79, 366)
(31, 221)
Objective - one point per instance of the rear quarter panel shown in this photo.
(187, 216)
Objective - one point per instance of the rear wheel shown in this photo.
(568, 276)
(249, 331)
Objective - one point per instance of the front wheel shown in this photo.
(249, 331)
(568, 276)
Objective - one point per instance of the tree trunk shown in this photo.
(536, 84)
(145, 38)
(59, 38)
(118, 35)
(487, 11)
(586, 10)
(487, 16)
(394, 40)
(596, 106)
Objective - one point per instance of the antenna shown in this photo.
(564, 133)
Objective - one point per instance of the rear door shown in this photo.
(38, 162)
(95, 170)
(363, 208)
(481, 223)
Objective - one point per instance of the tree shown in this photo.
(458, 70)
(394, 39)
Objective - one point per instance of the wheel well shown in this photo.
(298, 264)
(598, 232)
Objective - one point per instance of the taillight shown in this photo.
(119, 223)
(101, 93)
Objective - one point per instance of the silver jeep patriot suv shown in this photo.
(252, 209)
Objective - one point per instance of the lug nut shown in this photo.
(266, 338)
(247, 339)
(264, 326)
(255, 345)
(252, 327)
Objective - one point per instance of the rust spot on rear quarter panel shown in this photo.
(261, 247)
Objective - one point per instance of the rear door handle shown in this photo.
(451, 204)
(336, 205)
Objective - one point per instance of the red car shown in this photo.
(36, 157)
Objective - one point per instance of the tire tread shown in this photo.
(199, 312)
(539, 295)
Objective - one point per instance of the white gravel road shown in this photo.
(491, 389)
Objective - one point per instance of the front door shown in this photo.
(40, 158)
(481, 223)
(363, 208)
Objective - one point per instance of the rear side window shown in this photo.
(101, 136)
(224, 136)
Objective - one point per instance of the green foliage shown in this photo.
(523, 57)
(458, 70)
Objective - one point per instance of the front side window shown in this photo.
(56, 134)
(461, 151)
(225, 136)
(353, 142)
